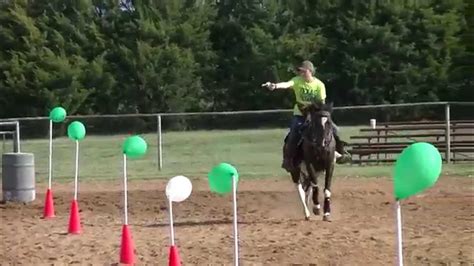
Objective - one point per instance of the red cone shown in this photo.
(174, 259)
(74, 220)
(48, 211)
(127, 255)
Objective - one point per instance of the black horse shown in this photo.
(316, 152)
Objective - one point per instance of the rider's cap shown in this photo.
(307, 65)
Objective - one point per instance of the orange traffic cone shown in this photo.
(74, 220)
(174, 259)
(48, 211)
(127, 255)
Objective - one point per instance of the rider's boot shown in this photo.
(345, 156)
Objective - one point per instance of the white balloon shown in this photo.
(178, 188)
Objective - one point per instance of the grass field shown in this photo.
(255, 153)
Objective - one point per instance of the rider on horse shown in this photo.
(307, 88)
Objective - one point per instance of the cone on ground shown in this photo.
(174, 259)
(74, 220)
(127, 255)
(48, 211)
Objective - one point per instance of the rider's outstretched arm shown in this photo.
(284, 85)
(281, 85)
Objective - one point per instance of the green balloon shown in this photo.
(134, 147)
(58, 114)
(417, 168)
(76, 130)
(220, 178)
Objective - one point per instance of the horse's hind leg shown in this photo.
(315, 191)
(327, 191)
(316, 205)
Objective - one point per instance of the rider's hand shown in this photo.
(269, 85)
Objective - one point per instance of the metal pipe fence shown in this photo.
(15, 133)
(346, 110)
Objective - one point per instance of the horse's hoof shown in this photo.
(326, 218)
(316, 211)
(307, 218)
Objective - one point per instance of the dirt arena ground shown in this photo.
(438, 226)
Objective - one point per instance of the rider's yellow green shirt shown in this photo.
(305, 91)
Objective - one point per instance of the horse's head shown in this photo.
(318, 116)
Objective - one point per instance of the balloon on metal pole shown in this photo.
(76, 131)
(223, 179)
(134, 147)
(416, 169)
(57, 115)
(178, 189)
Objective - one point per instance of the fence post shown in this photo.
(3, 143)
(448, 134)
(160, 148)
(16, 139)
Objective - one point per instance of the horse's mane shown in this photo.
(315, 107)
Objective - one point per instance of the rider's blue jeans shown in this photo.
(296, 122)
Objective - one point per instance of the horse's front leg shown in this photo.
(327, 190)
(295, 175)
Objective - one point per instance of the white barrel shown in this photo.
(373, 123)
(18, 177)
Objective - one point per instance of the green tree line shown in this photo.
(142, 56)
